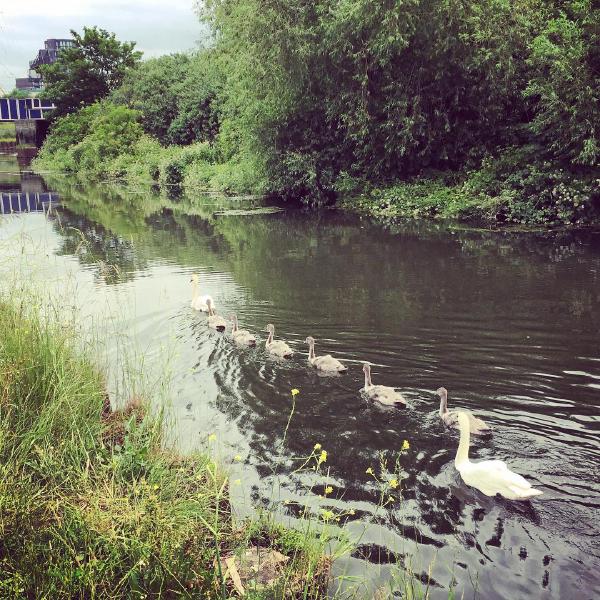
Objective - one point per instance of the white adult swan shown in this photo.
(277, 347)
(477, 426)
(215, 321)
(325, 363)
(242, 337)
(383, 394)
(490, 477)
(199, 302)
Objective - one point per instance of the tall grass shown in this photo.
(93, 506)
(7, 132)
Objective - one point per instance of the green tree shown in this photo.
(89, 71)
(379, 91)
(564, 84)
(151, 89)
(177, 96)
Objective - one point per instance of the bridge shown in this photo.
(29, 116)
(23, 109)
(19, 202)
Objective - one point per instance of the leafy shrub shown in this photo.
(421, 198)
(178, 96)
(536, 191)
(173, 167)
(70, 129)
(199, 175)
(564, 80)
(90, 138)
(237, 176)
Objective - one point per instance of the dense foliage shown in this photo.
(497, 99)
(381, 91)
(177, 96)
(88, 71)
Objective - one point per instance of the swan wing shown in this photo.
(385, 395)
(478, 426)
(494, 477)
(280, 348)
(328, 363)
(217, 322)
(196, 304)
(486, 476)
(200, 303)
(244, 338)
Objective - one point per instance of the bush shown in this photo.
(177, 96)
(70, 129)
(237, 176)
(173, 167)
(536, 191)
(199, 175)
(141, 164)
(90, 138)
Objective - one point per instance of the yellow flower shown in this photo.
(317, 446)
(286, 502)
(352, 511)
(323, 457)
(212, 437)
(237, 457)
(405, 445)
(295, 392)
(237, 482)
(328, 490)
(155, 486)
(327, 515)
(369, 471)
(394, 483)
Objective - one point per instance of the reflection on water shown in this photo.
(507, 322)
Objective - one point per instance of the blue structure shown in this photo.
(18, 202)
(14, 109)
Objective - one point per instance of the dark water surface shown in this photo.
(508, 322)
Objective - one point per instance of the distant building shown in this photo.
(45, 56)
(49, 53)
(31, 84)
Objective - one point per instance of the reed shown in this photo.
(91, 503)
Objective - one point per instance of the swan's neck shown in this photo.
(270, 339)
(234, 327)
(195, 290)
(462, 454)
(368, 383)
(443, 405)
(311, 351)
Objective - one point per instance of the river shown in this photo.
(508, 322)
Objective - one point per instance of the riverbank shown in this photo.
(92, 504)
(507, 190)
(106, 142)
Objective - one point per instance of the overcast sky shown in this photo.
(158, 27)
